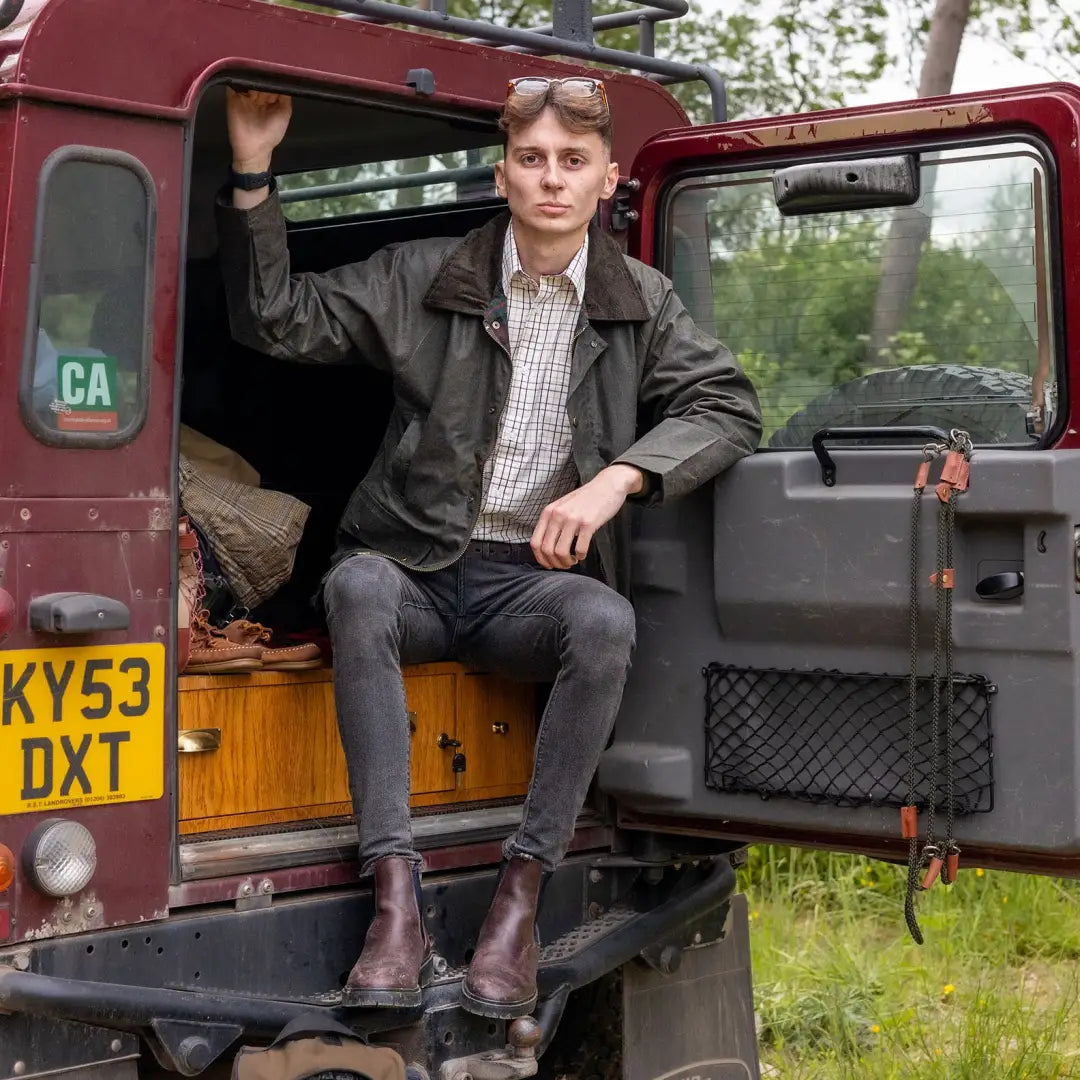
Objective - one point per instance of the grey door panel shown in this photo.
(771, 569)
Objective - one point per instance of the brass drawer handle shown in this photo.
(501, 727)
(199, 740)
(444, 742)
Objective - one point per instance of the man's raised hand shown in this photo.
(572, 520)
(257, 123)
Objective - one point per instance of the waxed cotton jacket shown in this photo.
(647, 387)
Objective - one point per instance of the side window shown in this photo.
(85, 372)
(442, 179)
(936, 313)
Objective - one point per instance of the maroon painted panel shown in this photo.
(96, 521)
(160, 51)
(142, 468)
(1052, 111)
(133, 839)
(101, 520)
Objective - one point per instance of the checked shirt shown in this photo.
(532, 462)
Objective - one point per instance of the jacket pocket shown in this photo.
(404, 453)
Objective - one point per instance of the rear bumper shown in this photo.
(193, 986)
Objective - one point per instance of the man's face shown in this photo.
(553, 178)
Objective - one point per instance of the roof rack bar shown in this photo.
(647, 37)
(656, 11)
(573, 20)
(671, 70)
(388, 183)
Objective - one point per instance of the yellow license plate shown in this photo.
(81, 727)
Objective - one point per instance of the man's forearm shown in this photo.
(629, 479)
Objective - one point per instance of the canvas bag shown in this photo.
(312, 1046)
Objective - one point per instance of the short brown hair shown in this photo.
(577, 114)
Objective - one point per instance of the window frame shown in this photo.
(1052, 200)
(87, 439)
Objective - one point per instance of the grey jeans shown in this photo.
(519, 620)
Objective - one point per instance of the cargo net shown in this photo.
(830, 737)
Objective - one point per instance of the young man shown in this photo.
(491, 527)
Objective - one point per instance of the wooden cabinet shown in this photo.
(264, 749)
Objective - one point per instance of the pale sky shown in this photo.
(982, 65)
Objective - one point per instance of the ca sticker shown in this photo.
(87, 387)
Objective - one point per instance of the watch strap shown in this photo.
(250, 181)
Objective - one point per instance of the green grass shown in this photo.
(842, 991)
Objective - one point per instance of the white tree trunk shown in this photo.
(910, 229)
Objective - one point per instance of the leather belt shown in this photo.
(498, 551)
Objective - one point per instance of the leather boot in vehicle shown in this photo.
(397, 952)
(189, 592)
(501, 982)
(274, 658)
(213, 653)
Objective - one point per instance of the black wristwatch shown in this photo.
(250, 181)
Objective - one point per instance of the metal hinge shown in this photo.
(251, 895)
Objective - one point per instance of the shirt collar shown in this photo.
(574, 273)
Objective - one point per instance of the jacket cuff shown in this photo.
(234, 223)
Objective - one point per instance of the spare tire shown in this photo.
(989, 404)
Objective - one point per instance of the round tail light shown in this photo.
(7, 867)
(60, 857)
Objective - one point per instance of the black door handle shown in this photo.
(1007, 585)
(863, 434)
(77, 613)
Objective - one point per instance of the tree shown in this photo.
(910, 228)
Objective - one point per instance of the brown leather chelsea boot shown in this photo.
(397, 952)
(501, 982)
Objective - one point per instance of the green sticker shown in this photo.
(87, 383)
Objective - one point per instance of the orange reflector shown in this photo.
(7, 867)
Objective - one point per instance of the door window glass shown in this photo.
(85, 375)
(431, 180)
(935, 313)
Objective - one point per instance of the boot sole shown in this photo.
(495, 1010)
(216, 667)
(381, 999)
(361, 997)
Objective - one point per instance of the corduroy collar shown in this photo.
(470, 276)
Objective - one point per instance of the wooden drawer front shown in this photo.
(432, 707)
(279, 748)
(280, 757)
(497, 729)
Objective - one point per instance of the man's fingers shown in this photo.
(536, 541)
(584, 539)
(564, 533)
(549, 544)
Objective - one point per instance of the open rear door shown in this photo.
(894, 268)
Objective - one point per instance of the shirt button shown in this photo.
(573, 421)
(495, 325)
(491, 410)
(594, 343)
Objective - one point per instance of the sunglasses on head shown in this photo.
(575, 86)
